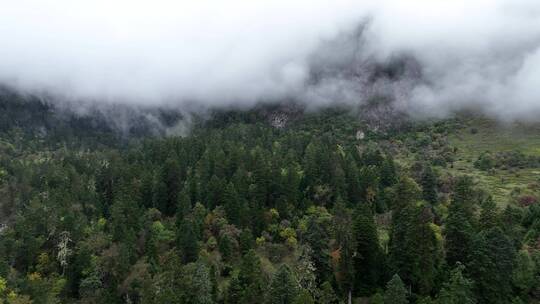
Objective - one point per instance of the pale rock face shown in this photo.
(279, 120)
(360, 135)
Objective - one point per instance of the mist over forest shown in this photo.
(431, 57)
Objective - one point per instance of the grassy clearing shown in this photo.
(482, 135)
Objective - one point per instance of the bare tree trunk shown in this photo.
(350, 297)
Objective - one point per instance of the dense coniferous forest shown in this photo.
(323, 209)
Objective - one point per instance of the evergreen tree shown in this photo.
(283, 289)
(317, 238)
(233, 206)
(459, 231)
(388, 172)
(346, 246)
(304, 297)
(429, 185)
(234, 291)
(327, 294)
(196, 286)
(368, 254)
(214, 193)
(171, 176)
(401, 255)
(187, 240)
(458, 290)
(395, 292)
(184, 204)
(226, 247)
(354, 194)
(489, 216)
(491, 265)
(524, 275)
(250, 278)
(246, 240)
(427, 251)
(464, 194)
(369, 185)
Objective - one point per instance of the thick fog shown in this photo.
(480, 54)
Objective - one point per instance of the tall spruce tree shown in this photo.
(491, 265)
(284, 288)
(250, 278)
(368, 257)
(395, 292)
(458, 289)
(187, 240)
(459, 226)
(429, 185)
(318, 240)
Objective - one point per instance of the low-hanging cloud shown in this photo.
(482, 54)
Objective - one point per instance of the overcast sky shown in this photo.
(484, 53)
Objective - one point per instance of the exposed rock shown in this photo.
(280, 116)
(360, 135)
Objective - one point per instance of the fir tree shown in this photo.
(395, 292)
(317, 238)
(327, 294)
(368, 254)
(304, 297)
(283, 289)
(458, 290)
(491, 265)
(459, 229)
(489, 215)
(187, 241)
(250, 278)
(429, 185)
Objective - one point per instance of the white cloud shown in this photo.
(483, 53)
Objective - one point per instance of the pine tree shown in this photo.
(368, 254)
(429, 185)
(214, 193)
(459, 229)
(304, 297)
(491, 265)
(184, 204)
(317, 238)
(246, 241)
(388, 172)
(313, 164)
(250, 278)
(327, 294)
(343, 234)
(395, 292)
(171, 176)
(233, 205)
(234, 291)
(524, 275)
(427, 251)
(226, 247)
(489, 214)
(187, 240)
(353, 181)
(464, 194)
(283, 289)
(415, 252)
(458, 290)
(369, 185)
(401, 248)
(196, 286)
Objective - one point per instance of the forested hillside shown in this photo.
(321, 208)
